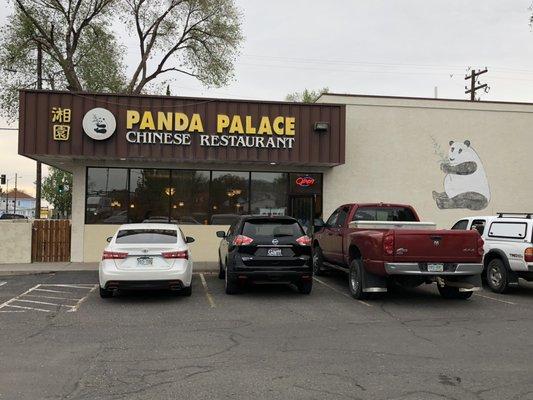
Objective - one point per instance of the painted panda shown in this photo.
(465, 183)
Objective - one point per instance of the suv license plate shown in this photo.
(435, 267)
(274, 253)
(145, 261)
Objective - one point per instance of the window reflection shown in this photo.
(229, 196)
(150, 195)
(269, 193)
(190, 201)
(107, 196)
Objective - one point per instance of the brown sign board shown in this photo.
(113, 127)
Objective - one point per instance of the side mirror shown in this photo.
(189, 239)
(109, 239)
(221, 234)
(319, 223)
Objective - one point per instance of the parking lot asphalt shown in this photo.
(269, 342)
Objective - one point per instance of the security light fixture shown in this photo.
(321, 127)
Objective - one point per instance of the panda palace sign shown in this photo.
(177, 129)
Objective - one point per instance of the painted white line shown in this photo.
(340, 292)
(75, 308)
(207, 294)
(3, 283)
(39, 296)
(29, 308)
(6, 303)
(51, 291)
(11, 311)
(77, 286)
(42, 302)
(492, 298)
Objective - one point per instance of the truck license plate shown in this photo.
(274, 253)
(435, 267)
(144, 261)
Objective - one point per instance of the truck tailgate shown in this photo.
(437, 246)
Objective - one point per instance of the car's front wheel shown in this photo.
(105, 293)
(450, 292)
(497, 276)
(355, 280)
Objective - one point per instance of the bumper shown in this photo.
(181, 275)
(288, 274)
(418, 269)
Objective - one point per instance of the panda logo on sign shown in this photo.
(465, 184)
(99, 124)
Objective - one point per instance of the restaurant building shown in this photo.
(200, 162)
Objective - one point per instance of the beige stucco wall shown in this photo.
(15, 241)
(77, 251)
(204, 248)
(392, 148)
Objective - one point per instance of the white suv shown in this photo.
(508, 247)
(146, 256)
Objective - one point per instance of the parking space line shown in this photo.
(498, 300)
(78, 286)
(6, 303)
(75, 308)
(3, 283)
(341, 293)
(207, 294)
(29, 308)
(42, 302)
(50, 290)
(39, 296)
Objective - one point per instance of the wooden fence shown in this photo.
(50, 241)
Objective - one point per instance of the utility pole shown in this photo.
(38, 171)
(473, 82)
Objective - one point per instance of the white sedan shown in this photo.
(146, 256)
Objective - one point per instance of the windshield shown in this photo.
(403, 214)
(147, 236)
(272, 228)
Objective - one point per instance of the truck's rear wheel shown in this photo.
(318, 261)
(497, 276)
(449, 292)
(355, 280)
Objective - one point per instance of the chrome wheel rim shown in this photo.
(495, 276)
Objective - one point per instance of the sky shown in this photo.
(381, 47)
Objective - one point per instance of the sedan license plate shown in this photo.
(144, 261)
(435, 267)
(274, 253)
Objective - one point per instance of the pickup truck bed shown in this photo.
(410, 253)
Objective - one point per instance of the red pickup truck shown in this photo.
(377, 244)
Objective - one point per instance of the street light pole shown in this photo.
(38, 171)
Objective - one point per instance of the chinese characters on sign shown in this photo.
(61, 118)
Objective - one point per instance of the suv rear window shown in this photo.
(384, 214)
(272, 228)
(147, 236)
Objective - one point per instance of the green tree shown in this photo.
(307, 96)
(57, 190)
(199, 38)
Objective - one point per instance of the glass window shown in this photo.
(343, 214)
(269, 193)
(332, 220)
(229, 196)
(384, 214)
(268, 229)
(460, 225)
(150, 195)
(305, 183)
(509, 230)
(147, 236)
(190, 197)
(479, 225)
(107, 196)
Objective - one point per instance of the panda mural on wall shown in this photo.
(465, 183)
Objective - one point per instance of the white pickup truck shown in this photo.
(508, 247)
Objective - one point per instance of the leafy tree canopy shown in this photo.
(57, 190)
(307, 96)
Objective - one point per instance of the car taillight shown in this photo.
(304, 241)
(528, 254)
(114, 255)
(388, 244)
(242, 240)
(480, 243)
(184, 255)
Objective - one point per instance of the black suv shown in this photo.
(265, 249)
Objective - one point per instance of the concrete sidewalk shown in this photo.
(43, 268)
